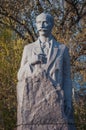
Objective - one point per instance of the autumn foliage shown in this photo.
(17, 28)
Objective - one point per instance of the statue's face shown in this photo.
(44, 25)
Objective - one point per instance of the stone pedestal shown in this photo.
(40, 105)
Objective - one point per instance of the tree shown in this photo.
(10, 54)
(19, 15)
(17, 20)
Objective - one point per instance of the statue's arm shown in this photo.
(25, 65)
(67, 83)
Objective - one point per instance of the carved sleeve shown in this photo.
(67, 83)
(25, 65)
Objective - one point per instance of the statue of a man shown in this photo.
(49, 57)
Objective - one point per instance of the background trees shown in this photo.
(17, 28)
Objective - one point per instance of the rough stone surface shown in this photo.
(44, 127)
(40, 100)
(42, 105)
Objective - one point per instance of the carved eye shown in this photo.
(38, 22)
(45, 22)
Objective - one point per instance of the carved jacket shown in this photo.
(57, 66)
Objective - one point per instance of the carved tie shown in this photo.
(45, 47)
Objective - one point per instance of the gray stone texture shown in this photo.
(42, 105)
(44, 90)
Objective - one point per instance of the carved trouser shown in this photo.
(41, 105)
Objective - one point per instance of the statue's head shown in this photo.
(44, 23)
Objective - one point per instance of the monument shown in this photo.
(44, 89)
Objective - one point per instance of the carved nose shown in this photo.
(42, 25)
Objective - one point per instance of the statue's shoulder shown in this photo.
(61, 46)
(30, 45)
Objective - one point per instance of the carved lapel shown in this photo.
(36, 48)
(52, 53)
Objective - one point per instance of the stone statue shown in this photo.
(44, 90)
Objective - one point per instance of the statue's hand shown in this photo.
(36, 62)
(41, 59)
